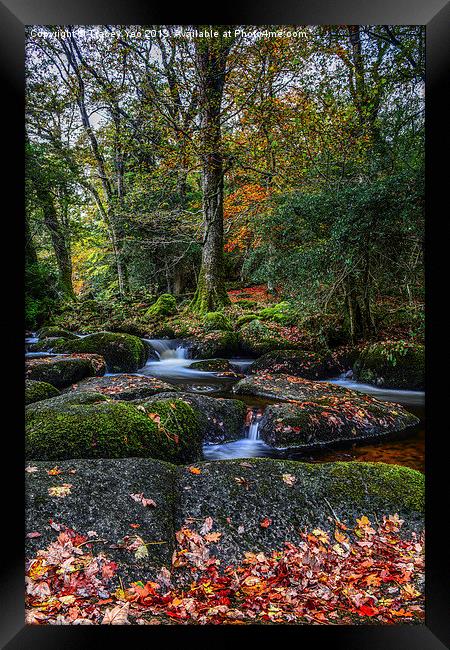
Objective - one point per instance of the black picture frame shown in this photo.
(14, 15)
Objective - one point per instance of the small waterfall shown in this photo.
(254, 417)
(167, 348)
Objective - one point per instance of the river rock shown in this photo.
(212, 365)
(62, 371)
(221, 420)
(123, 386)
(257, 338)
(89, 425)
(392, 364)
(213, 344)
(238, 495)
(54, 331)
(122, 352)
(301, 363)
(38, 390)
(45, 345)
(320, 414)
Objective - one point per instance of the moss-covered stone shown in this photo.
(256, 338)
(317, 494)
(124, 387)
(301, 363)
(122, 352)
(212, 365)
(392, 364)
(45, 345)
(216, 320)
(245, 318)
(55, 331)
(38, 390)
(237, 507)
(88, 425)
(166, 305)
(62, 371)
(279, 313)
(221, 420)
(214, 344)
(321, 414)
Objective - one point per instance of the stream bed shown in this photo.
(169, 361)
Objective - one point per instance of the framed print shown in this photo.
(227, 249)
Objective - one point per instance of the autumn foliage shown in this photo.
(351, 576)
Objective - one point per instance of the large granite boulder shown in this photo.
(122, 352)
(124, 386)
(62, 371)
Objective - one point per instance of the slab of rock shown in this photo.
(62, 371)
(221, 420)
(100, 501)
(320, 414)
(124, 387)
(217, 343)
(238, 495)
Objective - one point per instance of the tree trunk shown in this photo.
(59, 243)
(211, 56)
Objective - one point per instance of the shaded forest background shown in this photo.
(193, 167)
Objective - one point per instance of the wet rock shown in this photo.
(62, 371)
(257, 338)
(309, 365)
(38, 390)
(124, 387)
(320, 414)
(122, 352)
(212, 365)
(45, 345)
(221, 420)
(89, 425)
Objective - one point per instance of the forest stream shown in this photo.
(170, 362)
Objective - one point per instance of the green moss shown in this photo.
(91, 426)
(245, 318)
(122, 352)
(214, 344)
(207, 299)
(279, 313)
(55, 331)
(256, 338)
(216, 320)
(46, 344)
(38, 390)
(393, 364)
(64, 371)
(166, 305)
(211, 365)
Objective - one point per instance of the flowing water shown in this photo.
(170, 362)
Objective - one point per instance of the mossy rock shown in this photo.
(216, 320)
(301, 363)
(88, 425)
(246, 303)
(124, 387)
(52, 331)
(245, 318)
(62, 371)
(392, 364)
(337, 421)
(214, 344)
(212, 365)
(256, 339)
(319, 492)
(122, 352)
(221, 420)
(45, 345)
(166, 305)
(38, 390)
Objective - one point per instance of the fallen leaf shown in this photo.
(117, 615)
